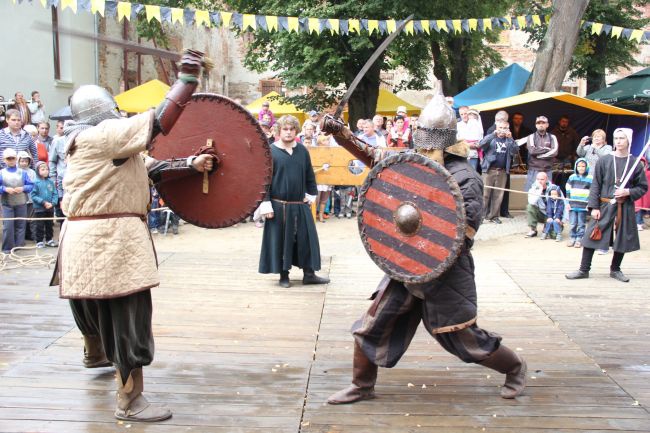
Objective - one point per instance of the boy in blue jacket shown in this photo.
(45, 197)
(577, 188)
(14, 182)
(554, 213)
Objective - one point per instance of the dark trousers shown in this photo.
(505, 201)
(13, 231)
(43, 229)
(588, 255)
(124, 326)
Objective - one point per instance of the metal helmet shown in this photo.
(436, 126)
(92, 104)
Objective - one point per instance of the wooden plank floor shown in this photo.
(236, 353)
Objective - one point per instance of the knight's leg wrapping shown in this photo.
(382, 335)
(125, 328)
(85, 314)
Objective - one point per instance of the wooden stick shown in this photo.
(206, 181)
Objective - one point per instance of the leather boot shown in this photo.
(309, 277)
(364, 376)
(284, 279)
(131, 404)
(513, 366)
(94, 355)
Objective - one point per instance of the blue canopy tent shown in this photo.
(507, 82)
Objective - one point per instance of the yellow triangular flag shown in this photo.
(547, 18)
(473, 24)
(425, 26)
(177, 15)
(96, 6)
(334, 24)
(294, 24)
(458, 26)
(521, 19)
(487, 23)
(153, 12)
(72, 4)
(391, 25)
(409, 28)
(536, 20)
(271, 23)
(636, 34)
(314, 25)
(353, 25)
(123, 11)
(202, 18)
(596, 28)
(616, 31)
(225, 18)
(373, 25)
(509, 20)
(442, 25)
(248, 20)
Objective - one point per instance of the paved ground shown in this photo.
(236, 353)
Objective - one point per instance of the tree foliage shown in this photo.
(323, 62)
(596, 54)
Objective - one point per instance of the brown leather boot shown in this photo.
(131, 404)
(364, 376)
(94, 355)
(513, 366)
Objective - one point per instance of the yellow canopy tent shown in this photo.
(278, 108)
(143, 97)
(387, 104)
(585, 115)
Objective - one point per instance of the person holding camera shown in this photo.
(593, 148)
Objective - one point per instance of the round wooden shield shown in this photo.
(411, 217)
(240, 182)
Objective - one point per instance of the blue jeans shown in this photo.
(154, 216)
(13, 232)
(556, 226)
(639, 216)
(577, 221)
(474, 162)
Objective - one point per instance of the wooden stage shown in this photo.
(236, 353)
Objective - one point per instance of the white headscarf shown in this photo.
(628, 133)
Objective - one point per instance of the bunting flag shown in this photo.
(272, 23)
(96, 6)
(123, 11)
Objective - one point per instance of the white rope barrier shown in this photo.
(14, 260)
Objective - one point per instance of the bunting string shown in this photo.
(271, 23)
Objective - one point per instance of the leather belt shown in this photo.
(288, 202)
(107, 216)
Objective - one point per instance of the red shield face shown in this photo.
(411, 218)
(243, 174)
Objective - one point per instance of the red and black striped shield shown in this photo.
(411, 217)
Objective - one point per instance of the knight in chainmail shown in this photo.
(107, 263)
(447, 305)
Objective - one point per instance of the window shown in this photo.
(267, 86)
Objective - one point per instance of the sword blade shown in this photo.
(380, 49)
(131, 46)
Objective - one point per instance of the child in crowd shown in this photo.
(45, 197)
(24, 163)
(642, 205)
(14, 182)
(577, 188)
(554, 214)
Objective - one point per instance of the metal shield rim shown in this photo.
(267, 175)
(460, 218)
